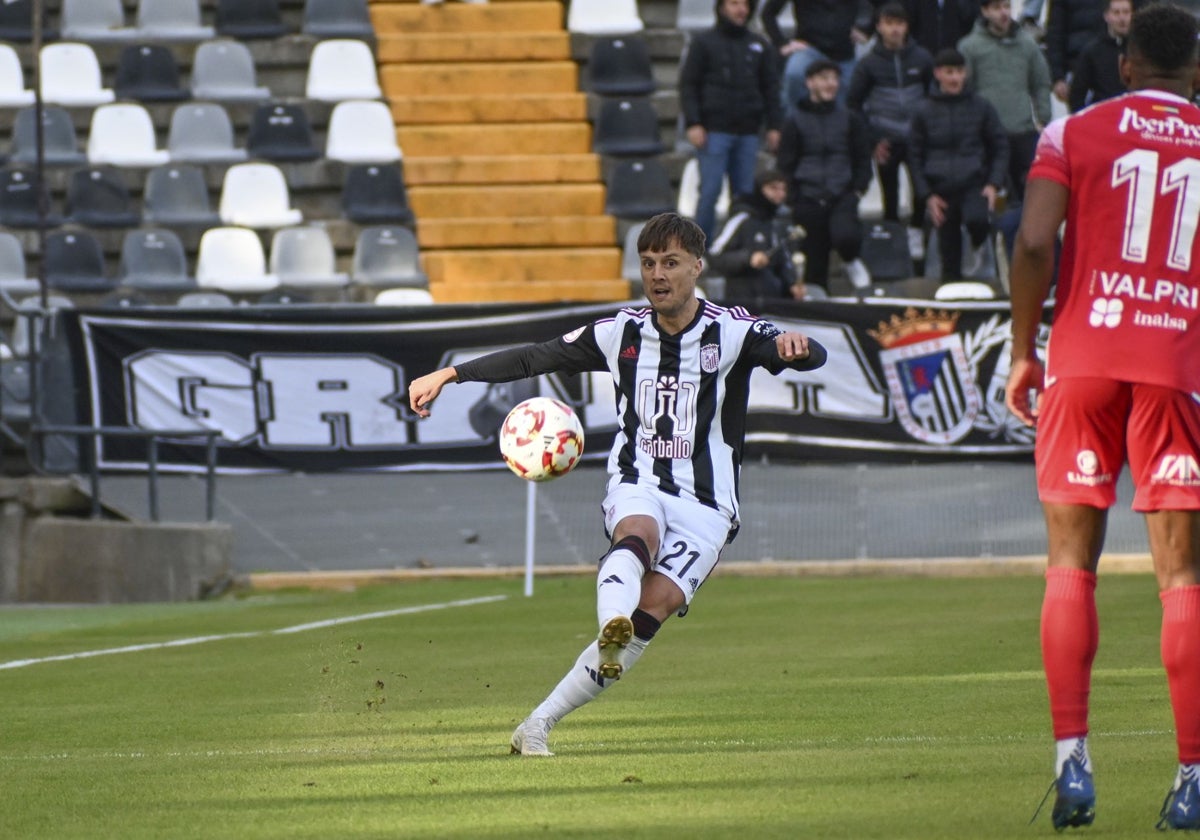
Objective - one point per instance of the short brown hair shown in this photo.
(666, 229)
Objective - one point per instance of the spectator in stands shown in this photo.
(1006, 67)
(749, 252)
(826, 152)
(937, 24)
(1096, 75)
(729, 91)
(885, 88)
(825, 30)
(1070, 26)
(959, 153)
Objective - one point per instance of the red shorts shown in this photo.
(1089, 426)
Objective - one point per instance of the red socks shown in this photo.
(1070, 636)
(1181, 658)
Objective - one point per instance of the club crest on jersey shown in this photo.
(710, 357)
(929, 378)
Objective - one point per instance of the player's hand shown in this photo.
(424, 389)
(697, 136)
(791, 346)
(1026, 377)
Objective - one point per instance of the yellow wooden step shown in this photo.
(477, 79)
(474, 46)
(454, 109)
(449, 202)
(495, 139)
(521, 264)
(502, 169)
(531, 292)
(545, 16)
(531, 231)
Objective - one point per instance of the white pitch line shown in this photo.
(297, 628)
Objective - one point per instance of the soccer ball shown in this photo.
(541, 439)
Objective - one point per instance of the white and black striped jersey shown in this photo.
(681, 399)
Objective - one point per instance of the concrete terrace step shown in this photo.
(474, 46)
(483, 201)
(501, 232)
(507, 16)
(502, 169)
(458, 109)
(543, 291)
(522, 264)
(495, 139)
(477, 79)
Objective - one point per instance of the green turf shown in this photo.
(785, 708)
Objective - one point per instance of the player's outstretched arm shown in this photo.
(424, 389)
(799, 351)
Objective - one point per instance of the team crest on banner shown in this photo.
(710, 357)
(929, 378)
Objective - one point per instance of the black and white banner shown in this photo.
(320, 390)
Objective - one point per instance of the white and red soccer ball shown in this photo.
(541, 439)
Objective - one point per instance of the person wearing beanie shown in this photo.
(749, 252)
(729, 93)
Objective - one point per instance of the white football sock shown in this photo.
(582, 684)
(618, 585)
(1071, 747)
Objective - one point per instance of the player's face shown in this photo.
(892, 32)
(1118, 16)
(823, 86)
(669, 280)
(998, 15)
(951, 79)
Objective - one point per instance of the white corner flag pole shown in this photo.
(530, 533)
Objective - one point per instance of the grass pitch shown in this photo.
(788, 707)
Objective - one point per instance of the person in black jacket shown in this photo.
(937, 24)
(1097, 70)
(885, 88)
(825, 30)
(959, 154)
(729, 92)
(1070, 26)
(749, 252)
(826, 153)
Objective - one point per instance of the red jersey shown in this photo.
(1127, 305)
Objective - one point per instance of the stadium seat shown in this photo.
(153, 259)
(171, 20)
(337, 19)
(281, 133)
(250, 19)
(71, 76)
(404, 297)
(282, 297)
(123, 135)
(631, 260)
(19, 200)
(375, 194)
(620, 66)
(604, 17)
(16, 21)
(75, 263)
(689, 192)
(99, 197)
(885, 251)
(95, 21)
(21, 343)
(304, 256)
(387, 255)
(231, 259)
(13, 93)
(14, 275)
(177, 196)
(362, 132)
(964, 290)
(204, 300)
(627, 127)
(694, 15)
(342, 69)
(148, 72)
(639, 189)
(224, 71)
(255, 195)
(201, 132)
(60, 144)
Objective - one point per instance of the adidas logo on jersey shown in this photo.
(629, 353)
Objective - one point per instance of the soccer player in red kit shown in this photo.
(1121, 380)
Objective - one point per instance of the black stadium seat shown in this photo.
(374, 193)
(19, 199)
(627, 127)
(148, 72)
(99, 196)
(75, 263)
(639, 189)
(177, 195)
(281, 133)
(885, 251)
(250, 19)
(337, 19)
(620, 66)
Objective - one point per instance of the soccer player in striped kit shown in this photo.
(1121, 381)
(681, 369)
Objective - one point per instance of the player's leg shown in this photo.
(1079, 454)
(1164, 459)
